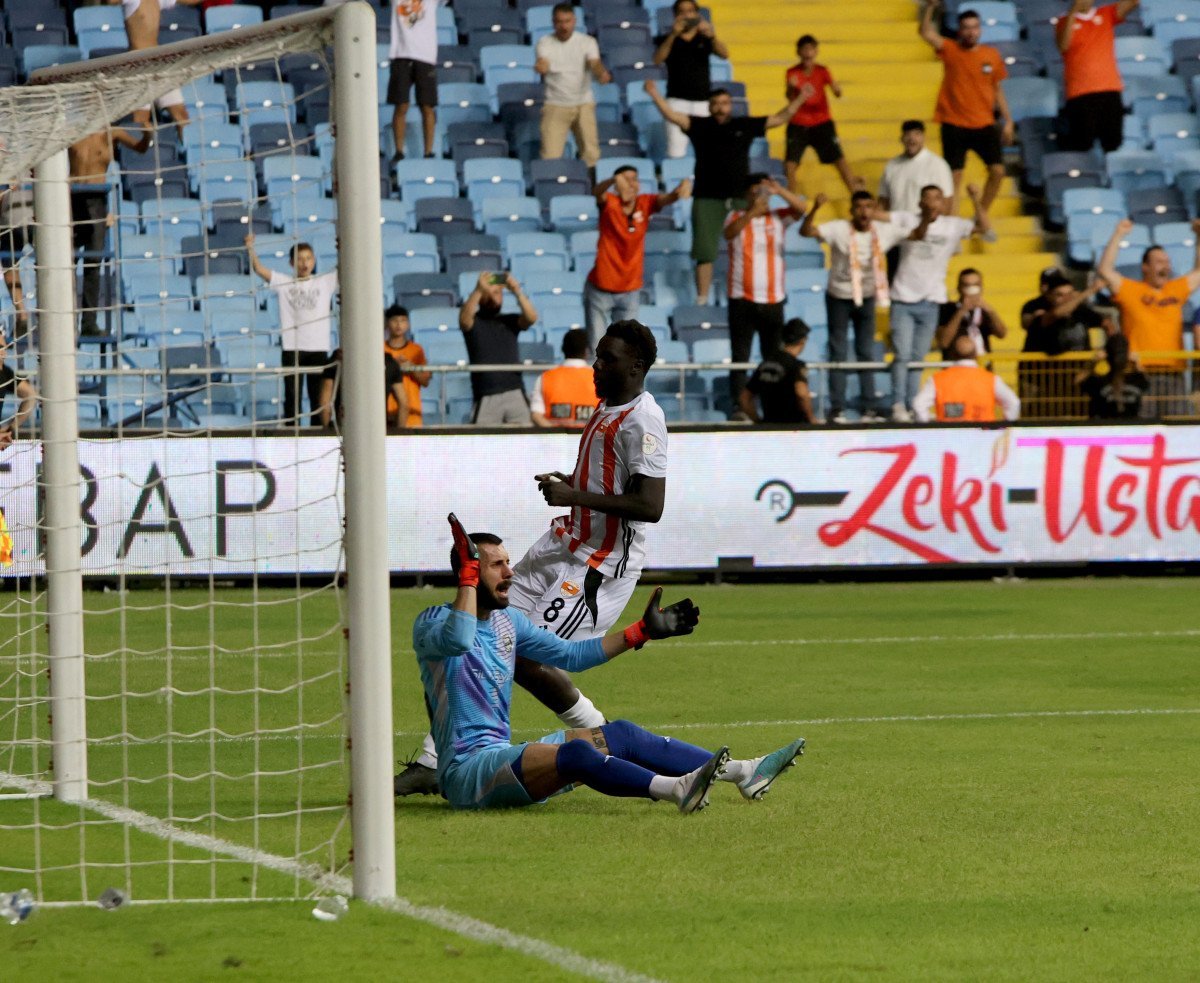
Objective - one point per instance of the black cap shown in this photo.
(1048, 273)
(1053, 279)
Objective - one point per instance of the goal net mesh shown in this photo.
(212, 508)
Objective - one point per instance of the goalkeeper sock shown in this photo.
(428, 755)
(578, 761)
(662, 755)
(582, 714)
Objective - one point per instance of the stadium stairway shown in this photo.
(887, 74)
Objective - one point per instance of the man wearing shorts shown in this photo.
(970, 96)
(812, 126)
(413, 53)
(142, 18)
(576, 580)
(467, 652)
(722, 144)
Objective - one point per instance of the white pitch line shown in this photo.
(917, 639)
(443, 918)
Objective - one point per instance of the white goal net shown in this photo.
(183, 665)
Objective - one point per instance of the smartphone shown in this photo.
(498, 279)
(691, 22)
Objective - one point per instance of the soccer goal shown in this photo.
(195, 685)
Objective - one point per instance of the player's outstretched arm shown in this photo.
(442, 634)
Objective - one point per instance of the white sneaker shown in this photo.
(839, 418)
(900, 414)
(693, 787)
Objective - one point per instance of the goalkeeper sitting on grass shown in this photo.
(467, 651)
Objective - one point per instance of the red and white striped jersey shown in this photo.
(756, 258)
(617, 443)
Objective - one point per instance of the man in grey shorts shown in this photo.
(491, 339)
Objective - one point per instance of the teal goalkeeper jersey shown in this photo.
(467, 671)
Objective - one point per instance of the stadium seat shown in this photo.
(1148, 96)
(1133, 243)
(415, 290)
(444, 216)
(178, 24)
(573, 213)
(1095, 201)
(1155, 206)
(645, 168)
(691, 322)
(471, 251)
(1031, 97)
(231, 17)
(1133, 170)
(557, 317)
(35, 56)
(493, 177)
(426, 178)
(462, 102)
(1140, 56)
(413, 253)
(551, 246)
(583, 248)
(1084, 229)
(285, 175)
(550, 285)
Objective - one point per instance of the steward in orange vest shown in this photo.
(965, 392)
(565, 396)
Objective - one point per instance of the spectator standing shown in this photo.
(23, 389)
(399, 346)
(491, 339)
(965, 392)
(1152, 317)
(88, 160)
(305, 331)
(1118, 394)
(780, 383)
(685, 50)
(567, 62)
(565, 396)
(857, 285)
(1093, 110)
(612, 291)
(331, 392)
(812, 124)
(142, 20)
(413, 53)
(972, 316)
(905, 175)
(722, 144)
(754, 238)
(16, 231)
(1035, 305)
(919, 288)
(970, 95)
(1062, 324)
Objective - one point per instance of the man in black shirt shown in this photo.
(1059, 322)
(491, 339)
(722, 144)
(1117, 395)
(972, 316)
(685, 51)
(781, 382)
(10, 382)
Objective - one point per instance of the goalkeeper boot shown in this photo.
(770, 768)
(416, 779)
(694, 786)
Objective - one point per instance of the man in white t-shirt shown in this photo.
(568, 62)
(857, 284)
(919, 288)
(576, 580)
(906, 174)
(305, 298)
(413, 52)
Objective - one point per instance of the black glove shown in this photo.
(466, 553)
(679, 618)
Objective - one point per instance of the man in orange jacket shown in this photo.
(965, 392)
(565, 396)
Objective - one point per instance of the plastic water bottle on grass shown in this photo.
(16, 906)
(331, 909)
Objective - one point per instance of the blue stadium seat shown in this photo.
(415, 290)
(444, 216)
(447, 348)
(305, 217)
(548, 285)
(1032, 96)
(1084, 229)
(231, 17)
(1133, 170)
(548, 246)
(691, 322)
(285, 174)
(35, 56)
(427, 321)
(181, 216)
(1155, 206)
(1148, 96)
(162, 287)
(539, 21)
(1133, 243)
(412, 253)
(557, 317)
(573, 213)
(608, 103)
(462, 102)
(1094, 201)
(1141, 56)
(471, 251)
(265, 101)
(179, 24)
(583, 248)
(493, 177)
(427, 178)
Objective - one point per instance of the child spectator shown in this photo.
(812, 125)
(305, 297)
(399, 346)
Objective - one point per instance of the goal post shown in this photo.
(75, 101)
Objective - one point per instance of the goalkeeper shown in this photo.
(467, 652)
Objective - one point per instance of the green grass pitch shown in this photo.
(1000, 784)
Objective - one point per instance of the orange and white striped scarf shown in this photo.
(878, 269)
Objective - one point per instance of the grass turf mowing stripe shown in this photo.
(464, 925)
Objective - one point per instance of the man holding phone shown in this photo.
(491, 339)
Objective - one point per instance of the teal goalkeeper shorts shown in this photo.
(486, 779)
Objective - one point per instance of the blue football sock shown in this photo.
(578, 761)
(662, 755)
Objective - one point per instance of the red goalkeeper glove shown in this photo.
(466, 554)
(679, 618)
